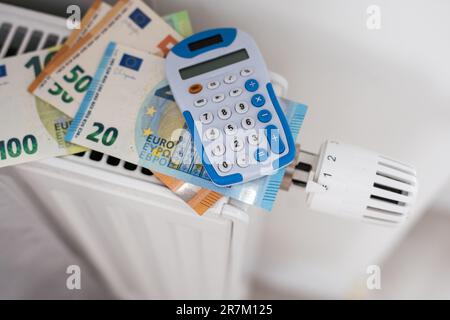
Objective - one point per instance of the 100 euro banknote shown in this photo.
(129, 113)
(130, 22)
(30, 129)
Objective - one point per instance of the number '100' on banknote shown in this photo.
(129, 112)
(30, 129)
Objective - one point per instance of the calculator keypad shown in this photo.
(235, 105)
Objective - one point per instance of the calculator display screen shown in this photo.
(213, 64)
(203, 43)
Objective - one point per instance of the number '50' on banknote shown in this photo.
(130, 22)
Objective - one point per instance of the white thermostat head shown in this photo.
(354, 182)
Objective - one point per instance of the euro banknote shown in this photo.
(181, 22)
(51, 91)
(129, 113)
(94, 14)
(198, 198)
(130, 22)
(30, 129)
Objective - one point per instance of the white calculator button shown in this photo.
(224, 113)
(246, 72)
(230, 129)
(248, 123)
(206, 117)
(241, 107)
(225, 166)
(212, 133)
(213, 85)
(235, 92)
(237, 144)
(218, 149)
(253, 139)
(200, 102)
(242, 160)
(218, 97)
(230, 79)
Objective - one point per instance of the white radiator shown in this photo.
(140, 238)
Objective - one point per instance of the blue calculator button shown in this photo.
(251, 85)
(258, 100)
(261, 154)
(273, 137)
(264, 116)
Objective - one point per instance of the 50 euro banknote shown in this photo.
(130, 22)
(94, 14)
(129, 112)
(30, 129)
(51, 91)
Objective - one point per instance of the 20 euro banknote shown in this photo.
(130, 22)
(130, 113)
(30, 129)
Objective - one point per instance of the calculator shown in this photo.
(221, 84)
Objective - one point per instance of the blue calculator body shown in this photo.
(221, 85)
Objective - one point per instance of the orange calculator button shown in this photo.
(195, 88)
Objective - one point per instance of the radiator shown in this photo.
(142, 240)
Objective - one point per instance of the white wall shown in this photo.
(387, 90)
(418, 267)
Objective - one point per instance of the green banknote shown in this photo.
(30, 129)
(129, 113)
(181, 22)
